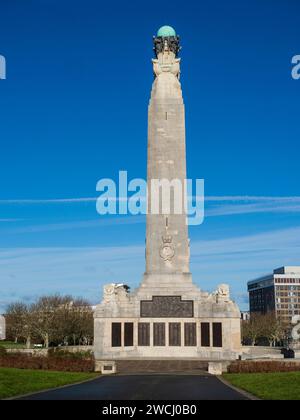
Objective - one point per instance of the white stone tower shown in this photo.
(167, 315)
(167, 245)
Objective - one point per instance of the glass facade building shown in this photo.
(278, 292)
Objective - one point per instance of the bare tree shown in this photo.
(28, 326)
(14, 316)
(273, 330)
(85, 321)
(252, 329)
(45, 315)
(76, 322)
(263, 326)
(54, 319)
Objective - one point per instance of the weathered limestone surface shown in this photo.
(2, 328)
(215, 368)
(207, 308)
(105, 367)
(167, 244)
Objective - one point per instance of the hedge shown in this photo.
(66, 364)
(263, 366)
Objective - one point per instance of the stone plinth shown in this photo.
(215, 368)
(122, 308)
(105, 367)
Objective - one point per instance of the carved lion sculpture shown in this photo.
(115, 292)
(222, 293)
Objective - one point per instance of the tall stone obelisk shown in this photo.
(167, 244)
(167, 315)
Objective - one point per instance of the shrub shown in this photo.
(3, 351)
(66, 364)
(54, 352)
(263, 366)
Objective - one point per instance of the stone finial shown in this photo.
(166, 49)
(166, 38)
(166, 31)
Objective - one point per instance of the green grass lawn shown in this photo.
(268, 386)
(12, 345)
(22, 381)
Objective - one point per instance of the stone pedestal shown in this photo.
(208, 324)
(297, 354)
(215, 368)
(105, 367)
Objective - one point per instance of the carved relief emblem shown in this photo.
(167, 250)
(167, 306)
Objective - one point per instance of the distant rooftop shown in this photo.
(293, 269)
(286, 270)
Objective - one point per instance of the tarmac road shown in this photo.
(145, 387)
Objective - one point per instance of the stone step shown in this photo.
(161, 366)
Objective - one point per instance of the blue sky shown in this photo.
(74, 109)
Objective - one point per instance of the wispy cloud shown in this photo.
(260, 207)
(10, 220)
(216, 206)
(238, 259)
(49, 201)
(272, 241)
(81, 224)
(227, 198)
(233, 205)
(83, 271)
(76, 271)
(249, 198)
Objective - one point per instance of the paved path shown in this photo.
(145, 387)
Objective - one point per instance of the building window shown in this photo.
(174, 334)
(128, 334)
(217, 334)
(159, 334)
(116, 334)
(190, 334)
(144, 334)
(205, 334)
